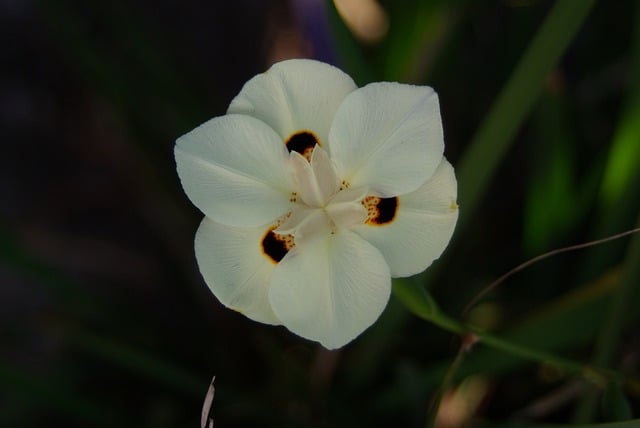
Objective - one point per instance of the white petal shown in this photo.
(345, 208)
(331, 290)
(234, 169)
(306, 182)
(325, 173)
(349, 195)
(306, 224)
(235, 269)
(300, 214)
(423, 225)
(346, 215)
(295, 95)
(316, 180)
(388, 137)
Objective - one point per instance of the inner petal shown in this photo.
(316, 178)
(305, 224)
(346, 209)
(346, 215)
(325, 173)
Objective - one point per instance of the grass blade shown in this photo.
(492, 140)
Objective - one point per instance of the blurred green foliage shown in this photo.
(107, 322)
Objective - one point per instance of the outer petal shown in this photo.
(234, 169)
(332, 289)
(388, 137)
(295, 95)
(235, 269)
(422, 227)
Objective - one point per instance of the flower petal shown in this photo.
(422, 226)
(306, 224)
(235, 269)
(295, 95)
(332, 289)
(316, 179)
(388, 137)
(234, 169)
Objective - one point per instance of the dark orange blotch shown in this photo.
(387, 208)
(380, 211)
(302, 142)
(276, 246)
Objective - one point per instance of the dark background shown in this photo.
(104, 319)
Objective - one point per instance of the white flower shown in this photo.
(315, 194)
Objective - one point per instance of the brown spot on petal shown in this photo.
(276, 246)
(380, 211)
(302, 142)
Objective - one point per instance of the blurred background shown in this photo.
(104, 318)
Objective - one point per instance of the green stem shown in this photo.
(515, 101)
(442, 320)
(420, 303)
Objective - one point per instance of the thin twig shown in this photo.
(536, 259)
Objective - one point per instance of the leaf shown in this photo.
(515, 101)
(415, 298)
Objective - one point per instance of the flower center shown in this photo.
(323, 203)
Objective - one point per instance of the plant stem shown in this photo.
(420, 303)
